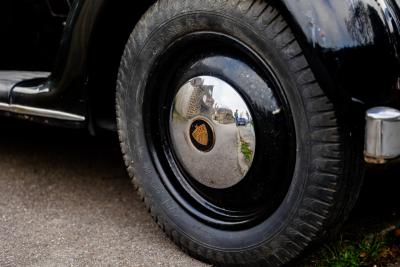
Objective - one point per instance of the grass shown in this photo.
(365, 253)
(374, 250)
(246, 150)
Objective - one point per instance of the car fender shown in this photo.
(351, 46)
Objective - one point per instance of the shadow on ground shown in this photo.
(65, 199)
(379, 201)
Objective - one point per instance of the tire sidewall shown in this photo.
(147, 45)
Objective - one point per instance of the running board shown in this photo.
(39, 112)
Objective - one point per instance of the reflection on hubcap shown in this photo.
(212, 132)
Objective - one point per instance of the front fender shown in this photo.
(351, 46)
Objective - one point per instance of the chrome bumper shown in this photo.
(382, 135)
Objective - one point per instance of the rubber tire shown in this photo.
(327, 178)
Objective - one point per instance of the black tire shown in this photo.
(326, 179)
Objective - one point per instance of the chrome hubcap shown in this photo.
(212, 132)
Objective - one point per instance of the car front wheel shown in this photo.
(228, 192)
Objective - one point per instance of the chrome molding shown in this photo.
(39, 112)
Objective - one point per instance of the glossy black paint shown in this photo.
(30, 34)
(352, 47)
(64, 90)
(85, 70)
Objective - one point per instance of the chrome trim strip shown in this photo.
(39, 112)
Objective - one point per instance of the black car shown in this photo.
(319, 80)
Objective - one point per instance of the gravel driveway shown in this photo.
(65, 199)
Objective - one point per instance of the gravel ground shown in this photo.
(65, 199)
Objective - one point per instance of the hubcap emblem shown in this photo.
(201, 135)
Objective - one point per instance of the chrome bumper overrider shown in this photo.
(382, 135)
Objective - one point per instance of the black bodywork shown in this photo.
(351, 45)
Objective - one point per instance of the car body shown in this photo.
(354, 52)
(61, 59)
(241, 122)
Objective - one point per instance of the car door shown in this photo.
(30, 33)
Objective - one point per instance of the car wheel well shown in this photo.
(114, 26)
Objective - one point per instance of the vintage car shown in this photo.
(319, 80)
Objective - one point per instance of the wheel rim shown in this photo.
(211, 125)
(234, 199)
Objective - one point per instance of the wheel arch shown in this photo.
(114, 24)
(351, 46)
